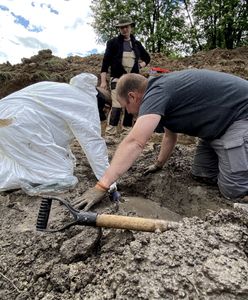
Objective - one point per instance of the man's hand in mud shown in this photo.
(89, 198)
(153, 168)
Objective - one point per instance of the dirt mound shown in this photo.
(206, 257)
(46, 66)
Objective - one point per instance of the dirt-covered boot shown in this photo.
(111, 135)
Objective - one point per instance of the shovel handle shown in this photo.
(134, 223)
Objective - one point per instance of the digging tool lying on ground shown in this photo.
(99, 220)
(155, 71)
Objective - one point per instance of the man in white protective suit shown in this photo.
(37, 124)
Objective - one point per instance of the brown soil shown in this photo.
(206, 257)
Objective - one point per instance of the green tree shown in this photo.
(176, 26)
(192, 30)
(159, 24)
(222, 23)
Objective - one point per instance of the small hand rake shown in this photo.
(99, 220)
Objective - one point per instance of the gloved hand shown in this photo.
(89, 198)
(114, 195)
(157, 166)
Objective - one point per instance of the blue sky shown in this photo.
(60, 25)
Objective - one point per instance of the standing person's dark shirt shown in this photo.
(113, 56)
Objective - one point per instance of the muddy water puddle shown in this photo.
(146, 208)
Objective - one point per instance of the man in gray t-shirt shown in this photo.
(207, 104)
(199, 103)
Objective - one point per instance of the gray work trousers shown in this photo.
(225, 159)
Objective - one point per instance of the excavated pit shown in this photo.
(170, 189)
(206, 257)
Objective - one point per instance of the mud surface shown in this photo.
(206, 257)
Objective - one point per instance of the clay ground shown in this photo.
(205, 257)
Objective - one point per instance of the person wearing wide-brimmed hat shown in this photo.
(124, 54)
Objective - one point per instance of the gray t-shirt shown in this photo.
(200, 103)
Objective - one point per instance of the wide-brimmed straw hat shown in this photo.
(125, 21)
(106, 94)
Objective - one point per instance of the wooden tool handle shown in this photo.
(134, 223)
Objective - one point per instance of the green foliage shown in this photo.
(222, 23)
(158, 23)
(176, 26)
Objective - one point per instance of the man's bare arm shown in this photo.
(130, 148)
(167, 146)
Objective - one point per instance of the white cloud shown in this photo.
(28, 26)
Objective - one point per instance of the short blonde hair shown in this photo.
(129, 83)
